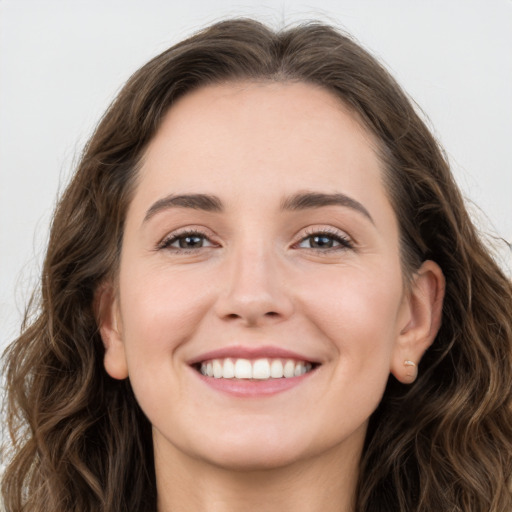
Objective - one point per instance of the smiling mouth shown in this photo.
(254, 369)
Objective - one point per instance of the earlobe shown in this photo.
(425, 304)
(106, 309)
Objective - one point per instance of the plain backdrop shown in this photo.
(62, 62)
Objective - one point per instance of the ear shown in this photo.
(421, 321)
(106, 309)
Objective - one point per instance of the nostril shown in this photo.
(236, 316)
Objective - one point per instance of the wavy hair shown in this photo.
(79, 439)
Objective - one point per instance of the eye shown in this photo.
(325, 241)
(189, 240)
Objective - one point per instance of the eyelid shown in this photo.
(169, 238)
(345, 240)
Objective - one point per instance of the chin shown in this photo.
(251, 451)
(250, 460)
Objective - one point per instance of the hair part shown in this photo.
(80, 440)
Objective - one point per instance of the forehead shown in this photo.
(224, 114)
(261, 139)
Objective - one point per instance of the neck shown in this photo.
(325, 483)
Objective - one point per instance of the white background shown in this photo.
(62, 61)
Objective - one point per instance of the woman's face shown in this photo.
(260, 241)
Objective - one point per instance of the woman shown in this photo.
(260, 231)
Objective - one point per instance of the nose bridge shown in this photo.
(253, 290)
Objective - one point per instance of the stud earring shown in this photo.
(411, 370)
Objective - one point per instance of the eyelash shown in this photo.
(167, 242)
(343, 241)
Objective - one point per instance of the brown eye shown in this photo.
(321, 242)
(186, 241)
(190, 242)
(325, 241)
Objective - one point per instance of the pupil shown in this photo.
(322, 241)
(191, 241)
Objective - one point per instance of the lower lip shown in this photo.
(253, 388)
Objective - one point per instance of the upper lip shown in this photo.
(244, 352)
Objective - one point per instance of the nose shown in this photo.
(253, 290)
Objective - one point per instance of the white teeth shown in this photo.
(276, 369)
(229, 369)
(217, 369)
(298, 369)
(260, 369)
(288, 370)
(243, 369)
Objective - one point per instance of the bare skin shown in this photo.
(260, 226)
(323, 485)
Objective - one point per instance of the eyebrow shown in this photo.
(307, 200)
(203, 202)
(299, 201)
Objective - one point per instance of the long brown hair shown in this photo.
(80, 441)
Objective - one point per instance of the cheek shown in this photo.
(160, 311)
(358, 313)
(358, 318)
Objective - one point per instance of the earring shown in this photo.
(411, 370)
